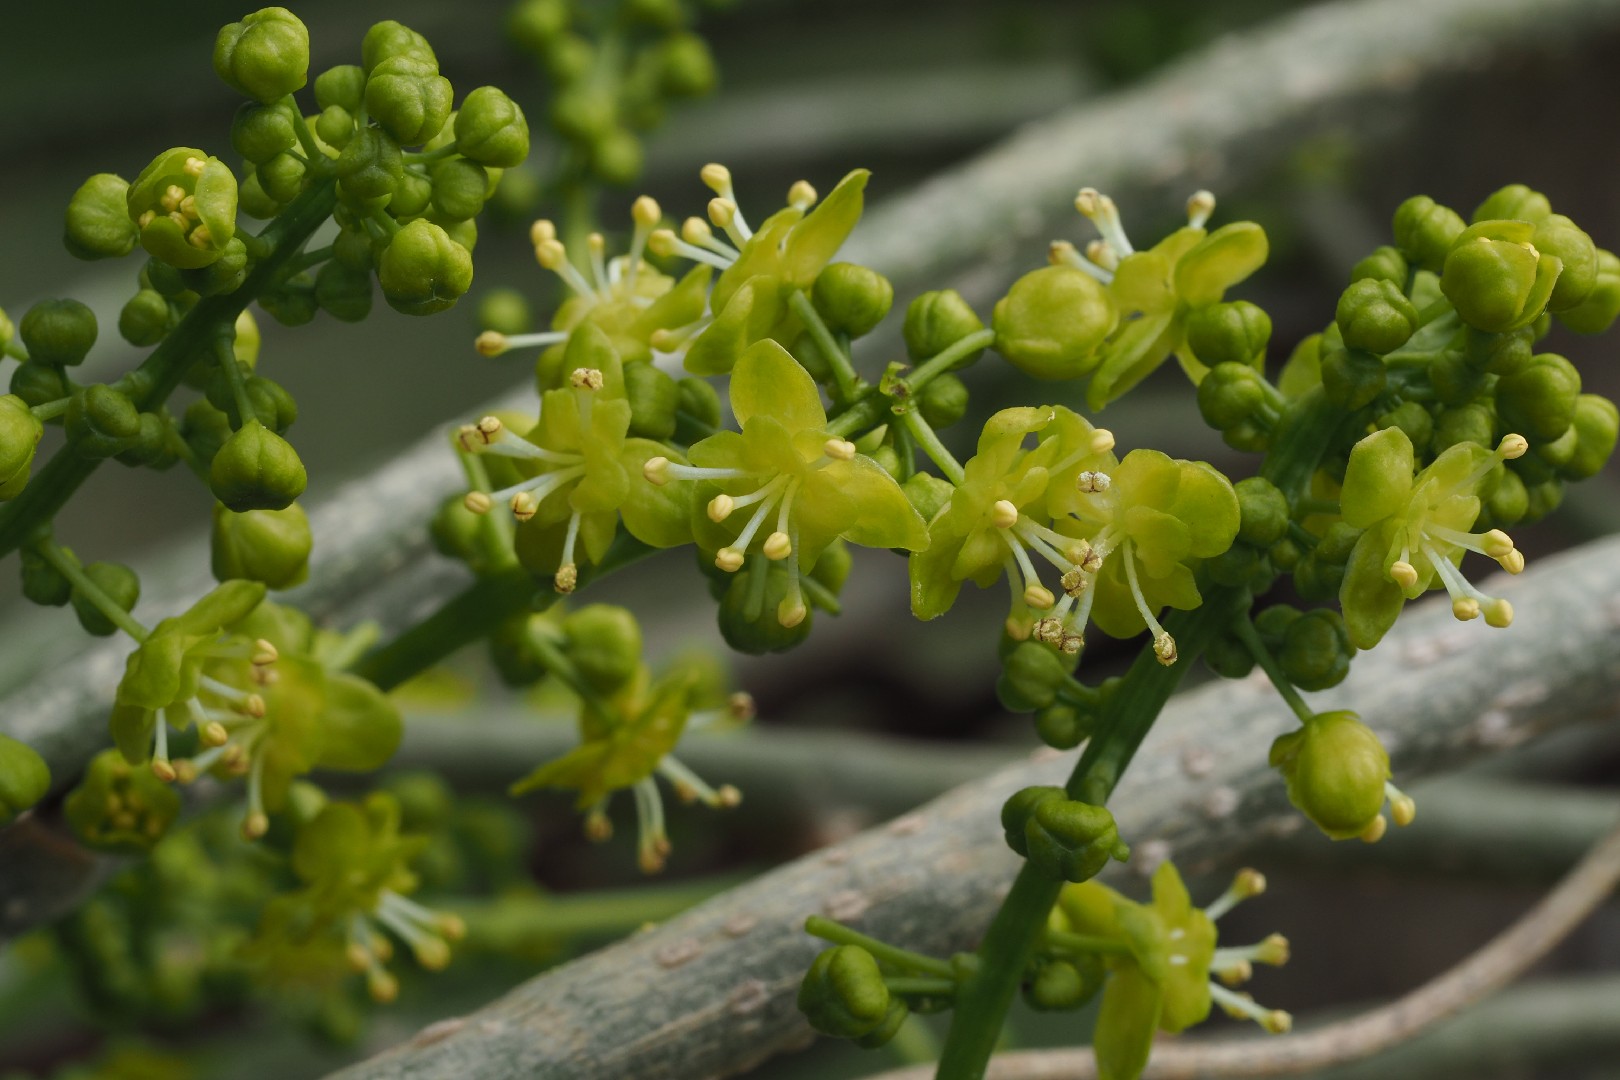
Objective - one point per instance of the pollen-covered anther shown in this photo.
(171, 198)
(656, 471)
(585, 379)
(1248, 883)
(778, 546)
(1093, 482)
(1099, 252)
(1062, 253)
(1164, 647)
(1238, 973)
(1274, 951)
(188, 207)
(801, 196)
(1465, 608)
(1088, 201)
(194, 166)
(1004, 515)
(566, 580)
(491, 343)
(1071, 644)
(146, 218)
(550, 254)
(200, 236)
(1047, 629)
(1038, 596)
(740, 706)
(1403, 573)
(213, 734)
(839, 449)
(264, 652)
(541, 231)
(720, 507)
(163, 769)
(253, 705)
(728, 559)
(1074, 583)
(524, 505)
(1375, 830)
(598, 827)
(1277, 1022)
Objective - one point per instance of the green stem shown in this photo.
(1086, 943)
(54, 484)
(15, 350)
(225, 353)
(313, 257)
(905, 959)
(52, 553)
(848, 383)
(922, 987)
(319, 163)
(867, 412)
(385, 221)
(1298, 442)
(935, 366)
(422, 157)
(51, 409)
(1015, 933)
(496, 529)
(1243, 628)
(930, 444)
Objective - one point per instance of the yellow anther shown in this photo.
(358, 956)
(566, 579)
(185, 771)
(1274, 950)
(265, 652)
(585, 378)
(1047, 629)
(1403, 573)
(1004, 515)
(839, 449)
(656, 471)
(650, 860)
(382, 986)
(696, 231)
(728, 559)
(1512, 446)
(1093, 482)
(801, 196)
(596, 243)
(213, 734)
(478, 502)
(777, 546)
(720, 508)
(1102, 253)
(255, 825)
(1237, 974)
(1102, 441)
(1465, 608)
(1402, 808)
(662, 242)
(728, 796)
(1278, 1022)
(146, 218)
(541, 231)
(200, 236)
(1071, 644)
(1375, 830)
(1092, 562)
(722, 212)
(1038, 596)
(791, 612)
(432, 953)
(1248, 883)
(1512, 562)
(491, 343)
(716, 177)
(172, 197)
(1200, 204)
(1164, 647)
(188, 207)
(1498, 613)
(524, 505)
(550, 254)
(254, 706)
(645, 211)
(1074, 583)
(1087, 201)
(598, 827)
(194, 166)
(162, 769)
(1062, 253)
(740, 706)
(1016, 629)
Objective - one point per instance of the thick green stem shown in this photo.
(844, 378)
(930, 444)
(1298, 442)
(86, 587)
(1085, 943)
(53, 485)
(1243, 627)
(935, 366)
(1015, 933)
(905, 959)
(225, 352)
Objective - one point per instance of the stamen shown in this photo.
(653, 844)
(724, 214)
(1243, 1007)
(1103, 254)
(161, 767)
(1200, 205)
(596, 247)
(689, 786)
(541, 231)
(839, 449)
(257, 823)
(1246, 884)
(665, 243)
(696, 231)
(1093, 482)
(1402, 807)
(1063, 253)
(598, 826)
(1375, 830)
(494, 343)
(554, 257)
(1102, 212)
(801, 196)
(1003, 514)
(1164, 646)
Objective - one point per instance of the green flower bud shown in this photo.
(1030, 676)
(269, 546)
(699, 400)
(1495, 277)
(389, 38)
(1228, 657)
(927, 493)
(1017, 811)
(852, 298)
(371, 166)
(120, 808)
(617, 156)
(843, 993)
(937, 320)
(1233, 332)
(1384, 264)
(20, 432)
(342, 86)
(166, 281)
(1236, 566)
(144, 319)
(1063, 726)
(1538, 401)
(1052, 320)
(533, 24)
(1425, 231)
(1067, 839)
(271, 404)
(1516, 202)
(260, 132)
(1352, 378)
(265, 56)
(256, 469)
(833, 568)
(24, 778)
(1558, 236)
(459, 189)
(1263, 510)
(1454, 379)
(282, 177)
(1507, 503)
(150, 446)
(1375, 315)
(8, 329)
(512, 644)
(1234, 393)
(653, 400)
(224, 275)
(747, 615)
(254, 201)
(1463, 424)
(119, 583)
(1336, 771)
(409, 98)
(1542, 499)
(100, 421)
(205, 429)
(423, 271)
(583, 112)
(43, 583)
(1413, 419)
(464, 233)
(505, 311)
(1498, 354)
(943, 401)
(38, 383)
(58, 332)
(292, 303)
(1316, 650)
(1062, 985)
(1598, 311)
(335, 126)
(344, 293)
(184, 204)
(604, 642)
(1594, 429)
(686, 67)
(352, 247)
(97, 224)
(491, 129)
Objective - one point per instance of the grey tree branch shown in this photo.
(1503, 959)
(711, 992)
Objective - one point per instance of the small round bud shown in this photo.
(852, 299)
(943, 401)
(1425, 230)
(1336, 771)
(1052, 320)
(1539, 400)
(1375, 315)
(97, 224)
(117, 582)
(843, 993)
(1495, 278)
(270, 546)
(58, 332)
(1352, 378)
(492, 130)
(937, 320)
(1233, 332)
(24, 778)
(407, 96)
(256, 469)
(423, 271)
(1384, 264)
(1263, 511)
(265, 56)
